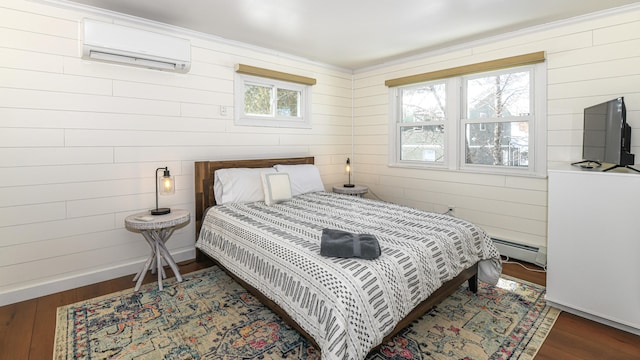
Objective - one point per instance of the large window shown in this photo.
(491, 121)
(268, 102)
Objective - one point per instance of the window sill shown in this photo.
(506, 172)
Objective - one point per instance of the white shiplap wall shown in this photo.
(589, 60)
(80, 142)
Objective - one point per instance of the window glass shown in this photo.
(257, 99)
(288, 102)
(499, 144)
(422, 143)
(424, 103)
(501, 95)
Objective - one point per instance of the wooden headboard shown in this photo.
(203, 175)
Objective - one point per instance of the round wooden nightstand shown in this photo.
(356, 190)
(157, 229)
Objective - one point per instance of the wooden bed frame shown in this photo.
(204, 198)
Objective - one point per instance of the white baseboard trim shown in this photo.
(595, 318)
(32, 291)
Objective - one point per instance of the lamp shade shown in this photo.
(164, 186)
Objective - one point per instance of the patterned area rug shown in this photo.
(209, 316)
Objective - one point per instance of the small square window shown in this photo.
(268, 102)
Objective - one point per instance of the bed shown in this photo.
(345, 306)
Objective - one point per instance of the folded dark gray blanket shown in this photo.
(344, 244)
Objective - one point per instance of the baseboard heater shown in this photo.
(528, 253)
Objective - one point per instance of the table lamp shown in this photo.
(165, 186)
(348, 170)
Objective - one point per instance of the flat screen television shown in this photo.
(607, 136)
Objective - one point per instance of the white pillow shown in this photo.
(238, 185)
(277, 187)
(304, 178)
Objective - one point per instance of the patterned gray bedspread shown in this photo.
(346, 305)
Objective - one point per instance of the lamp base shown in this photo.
(349, 185)
(160, 211)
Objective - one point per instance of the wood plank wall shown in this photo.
(80, 142)
(589, 60)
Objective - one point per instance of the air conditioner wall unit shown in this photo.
(131, 46)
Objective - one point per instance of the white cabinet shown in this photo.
(593, 259)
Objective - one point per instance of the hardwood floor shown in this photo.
(573, 337)
(27, 328)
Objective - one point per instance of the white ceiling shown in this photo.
(354, 34)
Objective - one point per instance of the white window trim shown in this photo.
(454, 152)
(242, 119)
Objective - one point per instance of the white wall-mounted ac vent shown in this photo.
(130, 46)
(528, 253)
